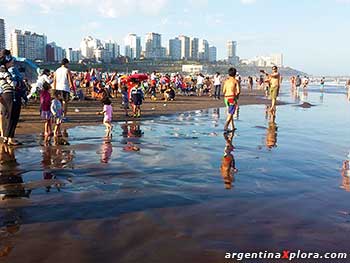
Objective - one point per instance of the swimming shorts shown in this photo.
(273, 92)
(231, 105)
(136, 99)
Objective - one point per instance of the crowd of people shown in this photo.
(57, 88)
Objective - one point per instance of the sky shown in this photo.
(313, 35)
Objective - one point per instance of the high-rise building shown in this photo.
(185, 47)
(88, 46)
(73, 55)
(2, 34)
(54, 53)
(194, 48)
(212, 54)
(174, 49)
(133, 46)
(28, 45)
(113, 48)
(231, 49)
(203, 50)
(103, 55)
(232, 52)
(154, 49)
(277, 60)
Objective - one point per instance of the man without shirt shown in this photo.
(231, 92)
(275, 83)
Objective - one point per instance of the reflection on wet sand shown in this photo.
(106, 151)
(271, 134)
(228, 164)
(137, 196)
(216, 117)
(294, 92)
(11, 181)
(305, 95)
(11, 187)
(131, 133)
(321, 97)
(57, 156)
(345, 173)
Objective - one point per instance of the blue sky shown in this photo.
(313, 35)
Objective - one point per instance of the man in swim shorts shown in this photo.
(231, 92)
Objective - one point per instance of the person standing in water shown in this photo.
(62, 84)
(250, 83)
(322, 83)
(275, 84)
(231, 91)
(10, 98)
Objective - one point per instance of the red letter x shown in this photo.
(286, 254)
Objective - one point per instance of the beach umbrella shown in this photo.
(138, 76)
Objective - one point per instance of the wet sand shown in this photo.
(168, 203)
(30, 122)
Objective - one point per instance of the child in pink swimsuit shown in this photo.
(107, 115)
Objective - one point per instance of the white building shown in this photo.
(232, 57)
(133, 46)
(88, 46)
(212, 54)
(174, 49)
(185, 47)
(73, 55)
(28, 45)
(102, 55)
(194, 48)
(277, 60)
(203, 50)
(231, 49)
(266, 61)
(113, 48)
(154, 49)
(2, 34)
(192, 69)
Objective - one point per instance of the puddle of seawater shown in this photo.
(164, 176)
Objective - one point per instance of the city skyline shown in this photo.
(291, 29)
(35, 47)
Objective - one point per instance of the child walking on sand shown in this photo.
(45, 111)
(57, 112)
(137, 97)
(107, 118)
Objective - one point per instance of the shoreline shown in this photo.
(30, 122)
